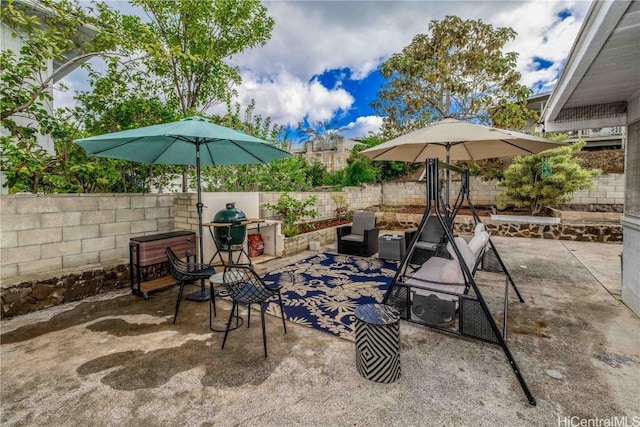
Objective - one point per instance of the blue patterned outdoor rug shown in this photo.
(323, 291)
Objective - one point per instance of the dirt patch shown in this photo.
(320, 225)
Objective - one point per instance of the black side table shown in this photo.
(392, 246)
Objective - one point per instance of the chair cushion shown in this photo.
(478, 242)
(428, 246)
(465, 251)
(363, 220)
(479, 228)
(354, 237)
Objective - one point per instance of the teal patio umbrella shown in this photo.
(190, 141)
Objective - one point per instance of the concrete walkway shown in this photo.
(118, 360)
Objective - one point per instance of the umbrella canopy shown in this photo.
(177, 143)
(454, 140)
(190, 141)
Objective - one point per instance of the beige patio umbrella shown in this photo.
(453, 140)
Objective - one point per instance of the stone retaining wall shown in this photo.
(33, 295)
(603, 233)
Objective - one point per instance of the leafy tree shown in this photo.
(359, 172)
(545, 178)
(190, 42)
(288, 174)
(59, 30)
(122, 99)
(460, 71)
(191, 39)
(49, 31)
(317, 173)
(385, 170)
(176, 66)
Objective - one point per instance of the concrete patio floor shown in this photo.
(118, 360)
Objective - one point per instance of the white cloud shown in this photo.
(542, 33)
(311, 37)
(363, 126)
(288, 99)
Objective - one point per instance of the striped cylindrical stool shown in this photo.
(378, 342)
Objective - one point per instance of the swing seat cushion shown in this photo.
(438, 273)
(478, 243)
(467, 254)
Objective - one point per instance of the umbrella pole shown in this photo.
(448, 190)
(202, 294)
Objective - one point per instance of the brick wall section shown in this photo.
(58, 248)
(45, 234)
(185, 212)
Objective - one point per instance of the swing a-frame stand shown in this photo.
(425, 296)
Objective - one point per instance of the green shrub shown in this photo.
(545, 179)
(290, 230)
(292, 211)
(359, 172)
(343, 210)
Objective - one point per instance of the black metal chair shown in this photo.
(431, 242)
(361, 237)
(187, 272)
(244, 286)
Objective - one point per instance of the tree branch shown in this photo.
(45, 84)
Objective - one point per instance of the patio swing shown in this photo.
(442, 293)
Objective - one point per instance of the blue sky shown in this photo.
(322, 59)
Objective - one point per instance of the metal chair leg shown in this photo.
(175, 316)
(264, 331)
(213, 301)
(284, 324)
(226, 332)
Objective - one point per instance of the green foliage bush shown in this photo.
(545, 179)
(343, 210)
(292, 212)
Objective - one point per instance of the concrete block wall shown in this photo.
(72, 232)
(363, 197)
(404, 193)
(606, 189)
(44, 234)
